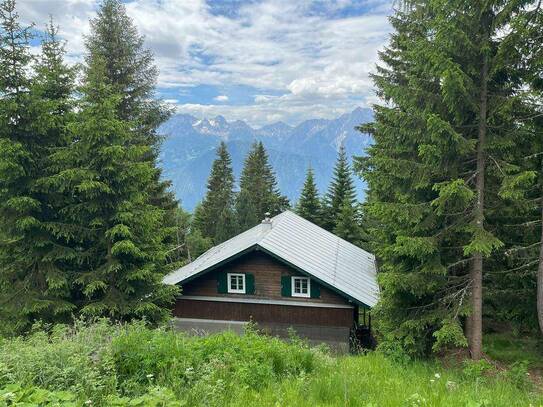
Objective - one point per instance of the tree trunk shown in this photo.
(476, 272)
(540, 266)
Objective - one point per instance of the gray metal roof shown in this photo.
(305, 246)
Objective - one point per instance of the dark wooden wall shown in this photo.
(267, 272)
(264, 313)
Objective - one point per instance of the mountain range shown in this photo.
(189, 148)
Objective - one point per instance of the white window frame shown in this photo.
(293, 287)
(229, 282)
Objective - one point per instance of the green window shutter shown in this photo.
(222, 284)
(286, 289)
(249, 283)
(315, 289)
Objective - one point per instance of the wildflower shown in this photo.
(88, 402)
(432, 380)
(437, 375)
(150, 376)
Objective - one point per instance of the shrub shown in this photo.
(72, 359)
(204, 368)
(518, 375)
(100, 361)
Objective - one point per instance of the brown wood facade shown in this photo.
(267, 272)
(263, 313)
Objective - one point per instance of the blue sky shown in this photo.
(260, 61)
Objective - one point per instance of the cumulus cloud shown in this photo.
(221, 98)
(316, 60)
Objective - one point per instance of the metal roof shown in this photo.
(332, 261)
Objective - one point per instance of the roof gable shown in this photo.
(303, 245)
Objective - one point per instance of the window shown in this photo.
(236, 283)
(301, 287)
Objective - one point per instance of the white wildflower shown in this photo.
(437, 375)
(150, 376)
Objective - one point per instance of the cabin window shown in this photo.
(236, 283)
(301, 287)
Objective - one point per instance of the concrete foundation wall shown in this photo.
(337, 338)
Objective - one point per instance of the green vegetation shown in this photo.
(215, 217)
(512, 348)
(119, 365)
(258, 192)
(453, 200)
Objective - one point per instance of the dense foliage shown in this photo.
(85, 222)
(309, 205)
(112, 364)
(258, 192)
(459, 115)
(216, 217)
(131, 365)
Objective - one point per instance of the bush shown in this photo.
(204, 368)
(73, 359)
(99, 361)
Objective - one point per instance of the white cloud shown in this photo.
(221, 98)
(319, 64)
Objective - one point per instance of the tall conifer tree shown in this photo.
(18, 206)
(309, 205)
(34, 112)
(121, 250)
(347, 226)
(430, 170)
(216, 218)
(340, 191)
(258, 189)
(130, 71)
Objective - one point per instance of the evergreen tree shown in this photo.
(347, 226)
(130, 71)
(309, 205)
(258, 190)
(119, 235)
(34, 110)
(341, 190)
(522, 188)
(431, 181)
(17, 205)
(216, 218)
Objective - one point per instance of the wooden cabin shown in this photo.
(283, 273)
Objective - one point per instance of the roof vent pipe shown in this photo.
(267, 222)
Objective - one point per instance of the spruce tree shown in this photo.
(17, 205)
(34, 109)
(431, 180)
(258, 190)
(340, 191)
(522, 187)
(130, 71)
(118, 231)
(216, 218)
(347, 226)
(309, 205)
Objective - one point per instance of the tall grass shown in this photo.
(374, 380)
(108, 365)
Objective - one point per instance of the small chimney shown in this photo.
(267, 222)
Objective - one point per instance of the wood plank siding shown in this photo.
(335, 311)
(264, 313)
(267, 272)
